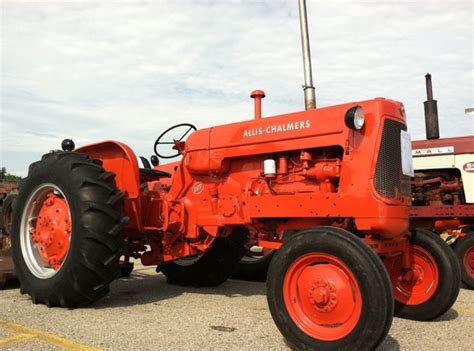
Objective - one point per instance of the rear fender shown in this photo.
(121, 160)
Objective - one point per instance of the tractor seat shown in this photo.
(149, 175)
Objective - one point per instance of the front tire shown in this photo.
(431, 287)
(213, 267)
(66, 230)
(464, 250)
(328, 290)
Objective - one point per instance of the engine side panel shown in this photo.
(231, 189)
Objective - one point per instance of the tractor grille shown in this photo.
(389, 179)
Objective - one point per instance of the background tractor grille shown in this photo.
(389, 179)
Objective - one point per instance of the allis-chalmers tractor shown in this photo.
(335, 181)
(443, 188)
(442, 197)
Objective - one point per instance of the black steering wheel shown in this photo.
(187, 127)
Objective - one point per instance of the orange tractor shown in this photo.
(335, 181)
(442, 202)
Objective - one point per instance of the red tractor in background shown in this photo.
(333, 181)
(443, 188)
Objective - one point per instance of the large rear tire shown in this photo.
(464, 250)
(431, 287)
(328, 290)
(66, 230)
(213, 267)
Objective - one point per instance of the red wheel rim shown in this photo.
(469, 262)
(53, 231)
(322, 296)
(418, 284)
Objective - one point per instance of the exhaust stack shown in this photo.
(309, 91)
(431, 111)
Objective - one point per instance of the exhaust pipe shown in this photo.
(309, 91)
(431, 111)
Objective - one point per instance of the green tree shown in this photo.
(7, 177)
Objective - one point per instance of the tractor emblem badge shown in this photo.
(198, 187)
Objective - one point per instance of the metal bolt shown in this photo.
(321, 296)
(49, 201)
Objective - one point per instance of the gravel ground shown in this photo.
(144, 312)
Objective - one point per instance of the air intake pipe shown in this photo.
(431, 111)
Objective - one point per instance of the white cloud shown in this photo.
(127, 70)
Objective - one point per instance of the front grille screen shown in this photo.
(390, 182)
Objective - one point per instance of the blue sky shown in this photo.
(127, 70)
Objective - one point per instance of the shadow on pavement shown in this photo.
(448, 316)
(389, 344)
(144, 288)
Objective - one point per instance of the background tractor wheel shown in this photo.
(328, 290)
(7, 212)
(464, 250)
(66, 230)
(6, 266)
(1, 217)
(211, 268)
(432, 286)
(6, 218)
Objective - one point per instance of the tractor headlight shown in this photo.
(355, 118)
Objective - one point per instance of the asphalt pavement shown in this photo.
(145, 312)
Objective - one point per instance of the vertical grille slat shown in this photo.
(389, 179)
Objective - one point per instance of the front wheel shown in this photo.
(328, 290)
(431, 286)
(464, 250)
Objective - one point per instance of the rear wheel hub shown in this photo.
(323, 295)
(45, 231)
(52, 231)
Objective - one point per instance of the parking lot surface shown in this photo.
(145, 312)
